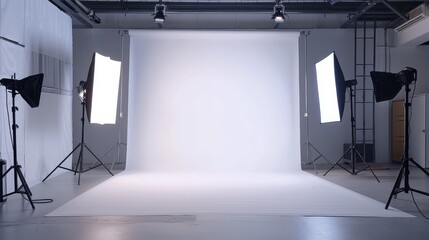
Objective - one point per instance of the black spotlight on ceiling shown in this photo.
(386, 87)
(30, 89)
(331, 88)
(160, 12)
(279, 12)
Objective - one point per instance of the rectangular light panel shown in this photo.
(105, 90)
(326, 84)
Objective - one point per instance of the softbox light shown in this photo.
(29, 88)
(102, 88)
(387, 85)
(331, 88)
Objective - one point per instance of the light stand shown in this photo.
(405, 168)
(352, 149)
(29, 88)
(309, 145)
(82, 145)
(119, 143)
(386, 87)
(16, 168)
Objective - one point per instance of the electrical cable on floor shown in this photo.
(411, 114)
(417, 206)
(39, 201)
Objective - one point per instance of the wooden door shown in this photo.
(397, 142)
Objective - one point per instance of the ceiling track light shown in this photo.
(279, 12)
(160, 12)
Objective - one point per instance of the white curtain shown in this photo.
(40, 42)
(12, 20)
(213, 101)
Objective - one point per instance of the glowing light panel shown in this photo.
(330, 82)
(103, 95)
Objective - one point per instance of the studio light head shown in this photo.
(81, 91)
(160, 12)
(29, 88)
(387, 85)
(332, 89)
(279, 12)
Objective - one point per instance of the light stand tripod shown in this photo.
(309, 146)
(16, 168)
(81, 146)
(352, 149)
(117, 146)
(405, 170)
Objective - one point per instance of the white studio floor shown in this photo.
(19, 221)
(295, 194)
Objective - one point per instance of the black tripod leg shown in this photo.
(60, 163)
(336, 163)
(79, 164)
(395, 186)
(98, 160)
(5, 173)
(418, 165)
(79, 161)
(25, 185)
(363, 159)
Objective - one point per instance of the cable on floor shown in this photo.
(417, 206)
(38, 201)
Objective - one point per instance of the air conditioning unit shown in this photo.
(417, 14)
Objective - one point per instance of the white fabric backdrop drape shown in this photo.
(213, 101)
(36, 37)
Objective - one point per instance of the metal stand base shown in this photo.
(17, 173)
(82, 146)
(352, 149)
(24, 189)
(320, 155)
(79, 164)
(116, 146)
(405, 171)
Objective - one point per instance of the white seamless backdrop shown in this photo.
(213, 101)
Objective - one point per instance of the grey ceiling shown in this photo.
(231, 14)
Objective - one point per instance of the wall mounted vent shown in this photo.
(417, 14)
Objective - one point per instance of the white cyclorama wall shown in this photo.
(213, 101)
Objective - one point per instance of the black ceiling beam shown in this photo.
(119, 7)
(379, 10)
(70, 9)
(254, 7)
(369, 7)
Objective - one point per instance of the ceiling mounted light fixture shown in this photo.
(279, 12)
(159, 12)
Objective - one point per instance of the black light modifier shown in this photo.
(387, 85)
(29, 88)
